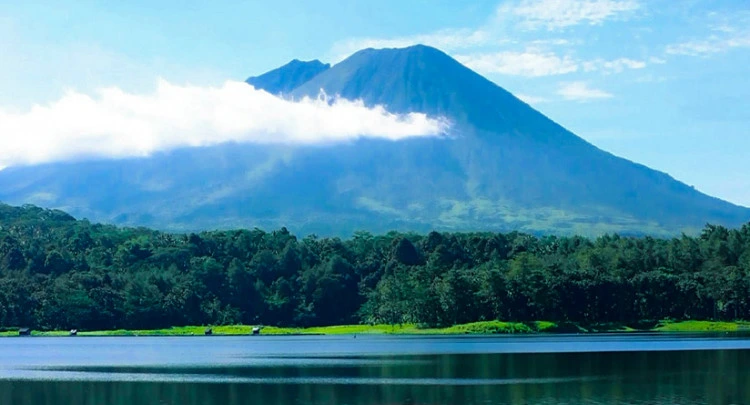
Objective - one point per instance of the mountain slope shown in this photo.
(424, 79)
(542, 162)
(504, 167)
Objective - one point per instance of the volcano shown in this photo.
(505, 166)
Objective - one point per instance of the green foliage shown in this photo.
(701, 326)
(57, 273)
(492, 327)
(474, 328)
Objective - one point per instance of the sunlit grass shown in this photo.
(701, 326)
(475, 328)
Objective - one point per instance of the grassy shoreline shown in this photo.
(487, 327)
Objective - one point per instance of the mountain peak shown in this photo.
(416, 50)
(423, 79)
(288, 77)
(507, 167)
(418, 78)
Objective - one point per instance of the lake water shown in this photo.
(583, 369)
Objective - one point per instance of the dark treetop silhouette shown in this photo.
(59, 273)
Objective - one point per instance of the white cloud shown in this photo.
(531, 100)
(722, 32)
(725, 28)
(552, 14)
(530, 63)
(537, 63)
(696, 48)
(714, 44)
(446, 40)
(553, 42)
(739, 41)
(613, 66)
(580, 91)
(119, 124)
(477, 48)
(657, 61)
(557, 14)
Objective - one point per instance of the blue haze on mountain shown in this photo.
(503, 166)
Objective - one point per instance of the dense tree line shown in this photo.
(57, 272)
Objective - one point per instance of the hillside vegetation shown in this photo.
(58, 273)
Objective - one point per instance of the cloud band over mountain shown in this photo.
(117, 124)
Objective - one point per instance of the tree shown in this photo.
(56, 272)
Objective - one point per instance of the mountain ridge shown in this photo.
(506, 167)
(283, 79)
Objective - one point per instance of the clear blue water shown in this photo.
(575, 369)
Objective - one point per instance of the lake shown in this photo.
(216, 370)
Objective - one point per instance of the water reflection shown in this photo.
(637, 377)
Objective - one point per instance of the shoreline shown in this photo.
(476, 328)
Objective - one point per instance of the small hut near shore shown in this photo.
(256, 331)
(74, 332)
(24, 332)
(209, 331)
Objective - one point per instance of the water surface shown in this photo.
(576, 369)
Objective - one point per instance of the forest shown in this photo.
(58, 273)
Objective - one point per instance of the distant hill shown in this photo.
(288, 77)
(505, 167)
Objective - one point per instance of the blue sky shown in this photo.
(663, 83)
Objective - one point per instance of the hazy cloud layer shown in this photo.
(530, 63)
(117, 124)
(540, 63)
(612, 66)
(712, 45)
(523, 14)
(723, 32)
(557, 14)
(580, 91)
